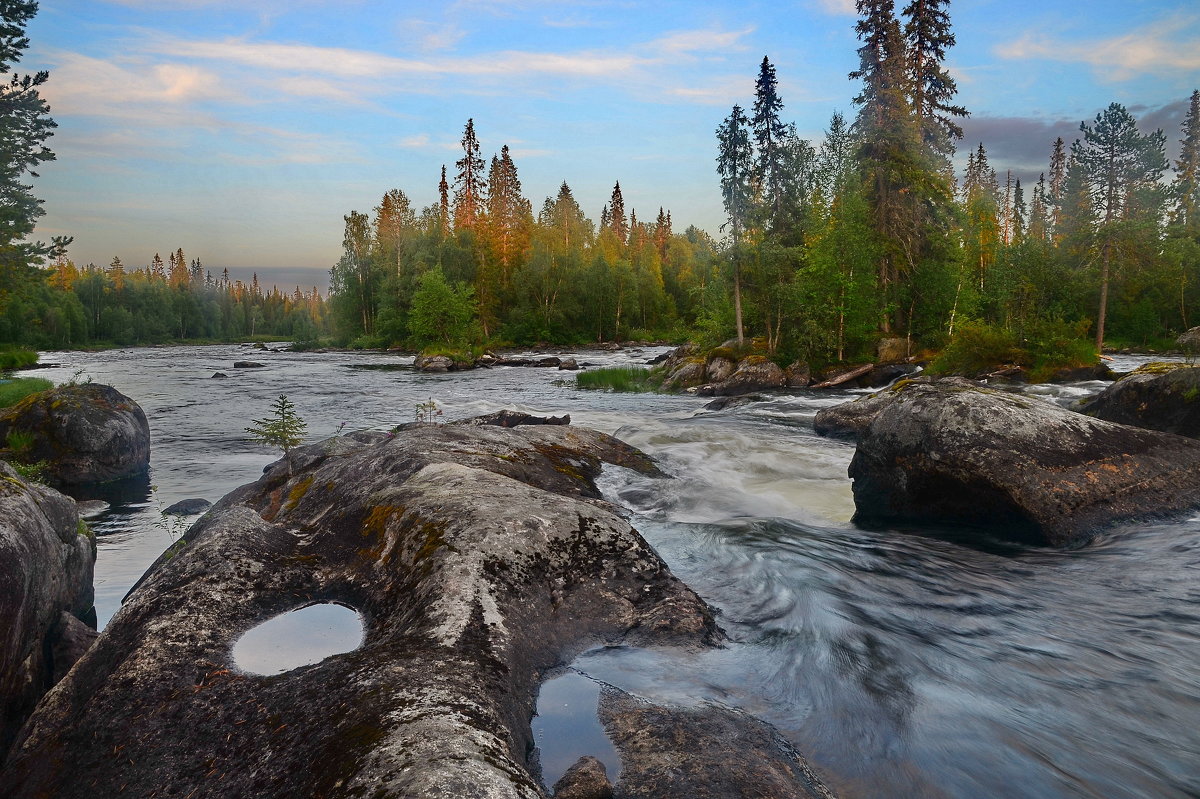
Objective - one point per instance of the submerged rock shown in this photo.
(507, 418)
(706, 752)
(188, 507)
(1157, 396)
(479, 558)
(87, 433)
(46, 559)
(248, 365)
(433, 363)
(1021, 467)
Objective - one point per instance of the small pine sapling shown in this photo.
(283, 428)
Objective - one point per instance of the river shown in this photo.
(902, 663)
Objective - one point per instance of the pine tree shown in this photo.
(1039, 222)
(1017, 214)
(25, 125)
(928, 36)
(470, 185)
(157, 271)
(1123, 169)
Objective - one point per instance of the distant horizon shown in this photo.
(244, 131)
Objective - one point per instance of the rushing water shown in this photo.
(903, 663)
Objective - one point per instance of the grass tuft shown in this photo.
(618, 378)
(17, 389)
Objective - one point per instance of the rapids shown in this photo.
(903, 663)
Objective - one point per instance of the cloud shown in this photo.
(84, 85)
(688, 42)
(1152, 49)
(845, 7)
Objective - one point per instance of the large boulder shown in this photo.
(1157, 396)
(86, 433)
(754, 373)
(480, 557)
(1021, 467)
(706, 752)
(848, 420)
(46, 559)
(1189, 341)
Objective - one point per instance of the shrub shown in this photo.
(17, 359)
(617, 378)
(977, 347)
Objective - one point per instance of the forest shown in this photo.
(826, 248)
(870, 232)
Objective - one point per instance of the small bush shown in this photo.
(17, 359)
(13, 391)
(618, 378)
(977, 347)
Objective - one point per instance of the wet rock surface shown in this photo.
(479, 557)
(754, 373)
(88, 433)
(1159, 396)
(587, 779)
(707, 752)
(1017, 466)
(188, 507)
(46, 561)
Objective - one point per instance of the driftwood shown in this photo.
(846, 377)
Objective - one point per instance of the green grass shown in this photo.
(17, 389)
(617, 378)
(17, 359)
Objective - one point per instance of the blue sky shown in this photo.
(243, 130)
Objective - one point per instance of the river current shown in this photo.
(902, 663)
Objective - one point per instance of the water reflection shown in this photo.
(298, 638)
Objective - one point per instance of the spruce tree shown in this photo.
(470, 185)
(931, 88)
(444, 204)
(616, 214)
(1058, 176)
(735, 165)
(769, 176)
(1186, 188)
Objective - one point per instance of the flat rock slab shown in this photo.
(1021, 467)
(479, 558)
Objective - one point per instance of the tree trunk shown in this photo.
(737, 300)
(1103, 300)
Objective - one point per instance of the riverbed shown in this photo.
(902, 663)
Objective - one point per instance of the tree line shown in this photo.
(827, 247)
(481, 266)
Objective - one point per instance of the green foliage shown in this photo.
(283, 428)
(17, 359)
(19, 445)
(13, 391)
(617, 378)
(442, 314)
(977, 347)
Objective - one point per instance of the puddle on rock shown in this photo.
(566, 727)
(299, 638)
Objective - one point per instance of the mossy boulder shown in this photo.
(1157, 396)
(1189, 341)
(753, 373)
(46, 560)
(1016, 466)
(89, 433)
(480, 557)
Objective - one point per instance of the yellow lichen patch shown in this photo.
(297, 493)
(1159, 368)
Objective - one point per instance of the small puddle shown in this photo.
(299, 638)
(566, 727)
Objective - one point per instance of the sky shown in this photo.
(242, 131)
